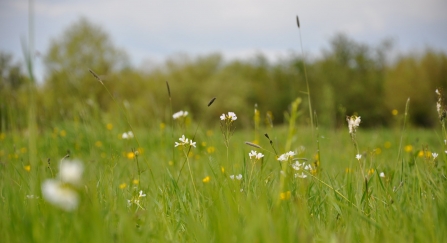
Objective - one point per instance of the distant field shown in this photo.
(220, 195)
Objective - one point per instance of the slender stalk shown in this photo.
(407, 106)
(305, 77)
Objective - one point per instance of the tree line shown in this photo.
(348, 78)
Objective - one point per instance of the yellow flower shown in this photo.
(206, 179)
(370, 171)
(130, 155)
(408, 148)
(421, 154)
(378, 150)
(109, 126)
(209, 133)
(63, 133)
(285, 195)
(348, 170)
(210, 149)
(98, 144)
(171, 163)
(27, 168)
(394, 112)
(123, 185)
(23, 150)
(162, 126)
(387, 144)
(222, 169)
(140, 151)
(135, 181)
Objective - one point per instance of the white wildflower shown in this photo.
(127, 135)
(382, 174)
(185, 141)
(239, 177)
(255, 155)
(232, 177)
(302, 175)
(71, 171)
(353, 123)
(358, 156)
(435, 155)
(297, 165)
(55, 192)
(179, 114)
(141, 194)
(231, 116)
(286, 156)
(308, 167)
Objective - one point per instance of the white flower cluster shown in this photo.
(238, 177)
(136, 200)
(286, 156)
(300, 167)
(61, 191)
(127, 135)
(435, 155)
(185, 141)
(179, 114)
(231, 117)
(255, 155)
(353, 123)
(439, 106)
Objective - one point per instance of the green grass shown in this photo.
(407, 205)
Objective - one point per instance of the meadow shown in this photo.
(127, 158)
(221, 183)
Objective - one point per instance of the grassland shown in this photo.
(190, 197)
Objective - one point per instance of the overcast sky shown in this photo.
(154, 30)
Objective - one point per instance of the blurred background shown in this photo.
(361, 57)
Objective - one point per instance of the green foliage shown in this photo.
(12, 94)
(350, 78)
(417, 76)
(81, 47)
(408, 204)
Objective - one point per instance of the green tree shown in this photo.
(81, 47)
(12, 85)
(352, 75)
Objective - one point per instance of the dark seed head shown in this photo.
(298, 21)
(211, 101)
(169, 89)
